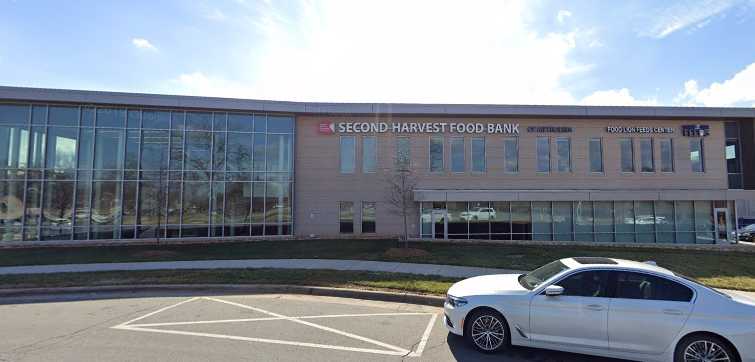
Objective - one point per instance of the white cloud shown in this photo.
(685, 14)
(358, 51)
(562, 15)
(739, 90)
(216, 15)
(616, 97)
(142, 43)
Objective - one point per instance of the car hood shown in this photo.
(488, 284)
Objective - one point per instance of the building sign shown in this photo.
(696, 130)
(616, 129)
(417, 127)
(550, 129)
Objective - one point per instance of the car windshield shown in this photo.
(536, 277)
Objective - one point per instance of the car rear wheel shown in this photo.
(486, 330)
(704, 348)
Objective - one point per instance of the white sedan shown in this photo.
(605, 307)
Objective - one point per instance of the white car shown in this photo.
(480, 213)
(605, 307)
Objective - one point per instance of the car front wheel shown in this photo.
(704, 348)
(487, 331)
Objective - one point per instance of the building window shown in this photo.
(368, 217)
(457, 154)
(543, 154)
(403, 153)
(627, 154)
(436, 154)
(511, 155)
(346, 217)
(596, 155)
(563, 149)
(647, 161)
(369, 154)
(348, 154)
(667, 155)
(478, 154)
(696, 155)
(732, 152)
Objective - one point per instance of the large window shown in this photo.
(627, 154)
(368, 217)
(596, 155)
(346, 217)
(478, 154)
(116, 173)
(647, 161)
(511, 155)
(369, 154)
(436, 153)
(543, 154)
(658, 221)
(348, 154)
(457, 154)
(696, 156)
(667, 155)
(563, 150)
(403, 153)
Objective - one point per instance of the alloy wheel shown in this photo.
(487, 332)
(705, 351)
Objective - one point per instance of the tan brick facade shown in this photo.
(320, 185)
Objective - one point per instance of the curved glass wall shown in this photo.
(81, 172)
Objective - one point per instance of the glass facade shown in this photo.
(590, 221)
(82, 173)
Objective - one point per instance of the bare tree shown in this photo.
(401, 184)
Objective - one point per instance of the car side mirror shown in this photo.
(554, 290)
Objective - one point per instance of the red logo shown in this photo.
(327, 128)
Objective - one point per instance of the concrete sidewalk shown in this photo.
(451, 271)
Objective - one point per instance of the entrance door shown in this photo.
(721, 217)
(440, 224)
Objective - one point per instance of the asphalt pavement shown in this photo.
(191, 327)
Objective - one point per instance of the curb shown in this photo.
(397, 297)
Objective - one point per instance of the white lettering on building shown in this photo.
(427, 127)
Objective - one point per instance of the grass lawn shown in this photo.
(732, 270)
(324, 278)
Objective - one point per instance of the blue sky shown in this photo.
(682, 53)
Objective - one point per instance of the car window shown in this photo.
(586, 284)
(536, 277)
(631, 285)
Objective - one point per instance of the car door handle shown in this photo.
(597, 307)
(672, 311)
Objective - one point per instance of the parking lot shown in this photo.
(235, 327)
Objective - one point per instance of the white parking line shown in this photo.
(273, 319)
(264, 340)
(315, 325)
(390, 349)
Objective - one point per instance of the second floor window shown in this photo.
(696, 155)
(647, 161)
(563, 150)
(596, 155)
(457, 154)
(667, 155)
(627, 154)
(511, 155)
(436, 154)
(478, 154)
(348, 154)
(543, 154)
(403, 152)
(369, 154)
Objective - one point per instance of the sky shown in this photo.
(642, 52)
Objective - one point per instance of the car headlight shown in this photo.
(455, 302)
